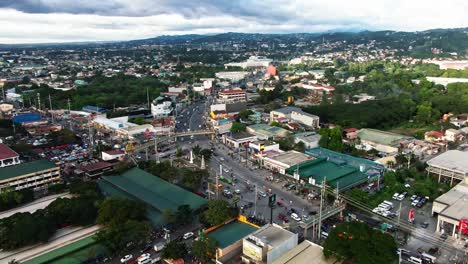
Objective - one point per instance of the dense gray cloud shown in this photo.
(84, 20)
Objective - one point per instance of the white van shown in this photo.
(428, 257)
(389, 203)
(415, 260)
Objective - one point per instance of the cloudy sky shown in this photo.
(39, 21)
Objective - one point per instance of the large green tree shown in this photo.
(359, 243)
(122, 236)
(204, 249)
(117, 210)
(218, 211)
(174, 250)
(237, 127)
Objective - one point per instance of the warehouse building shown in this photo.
(283, 161)
(450, 208)
(451, 165)
(35, 175)
(294, 114)
(158, 194)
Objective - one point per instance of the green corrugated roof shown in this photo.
(230, 233)
(76, 252)
(378, 136)
(154, 216)
(25, 168)
(154, 191)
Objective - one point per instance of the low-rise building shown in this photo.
(450, 208)
(382, 141)
(283, 161)
(161, 109)
(453, 135)
(451, 165)
(304, 253)
(267, 244)
(8, 157)
(310, 139)
(234, 76)
(263, 146)
(239, 139)
(231, 95)
(266, 132)
(33, 175)
(295, 114)
(113, 154)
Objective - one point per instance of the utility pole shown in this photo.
(156, 150)
(322, 193)
(399, 215)
(39, 101)
(69, 106)
(50, 108)
(147, 98)
(255, 201)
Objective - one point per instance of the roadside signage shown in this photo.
(236, 199)
(272, 200)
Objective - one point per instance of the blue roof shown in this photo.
(28, 117)
(96, 109)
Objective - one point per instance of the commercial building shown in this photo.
(263, 146)
(266, 132)
(8, 157)
(310, 139)
(382, 141)
(112, 123)
(283, 161)
(239, 139)
(452, 164)
(306, 253)
(161, 109)
(267, 244)
(337, 169)
(251, 62)
(34, 175)
(294, 114)
(229, 237)
(450, 208)
(231, 95)
(233, 76)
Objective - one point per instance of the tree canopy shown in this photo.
(359, 243)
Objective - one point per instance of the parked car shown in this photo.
(283, 218)
(424, 225)
(262, 194)
(414, 196)
(126, 258)
(395, 196)
(188, 235)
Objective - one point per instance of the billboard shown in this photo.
(463, 225)
(252, 251)
(411, 215)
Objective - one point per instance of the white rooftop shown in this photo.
(454, 160)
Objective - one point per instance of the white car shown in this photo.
(263, 194)
(395, 196)
(295, 217)
(188, 235)
(126, 258)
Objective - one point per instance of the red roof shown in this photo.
(350, 130)
(6, 152)
(96, 166)
(232, 91)
(434, 134)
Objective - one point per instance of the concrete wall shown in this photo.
(281, 249)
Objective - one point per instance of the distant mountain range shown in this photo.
(450, 40)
